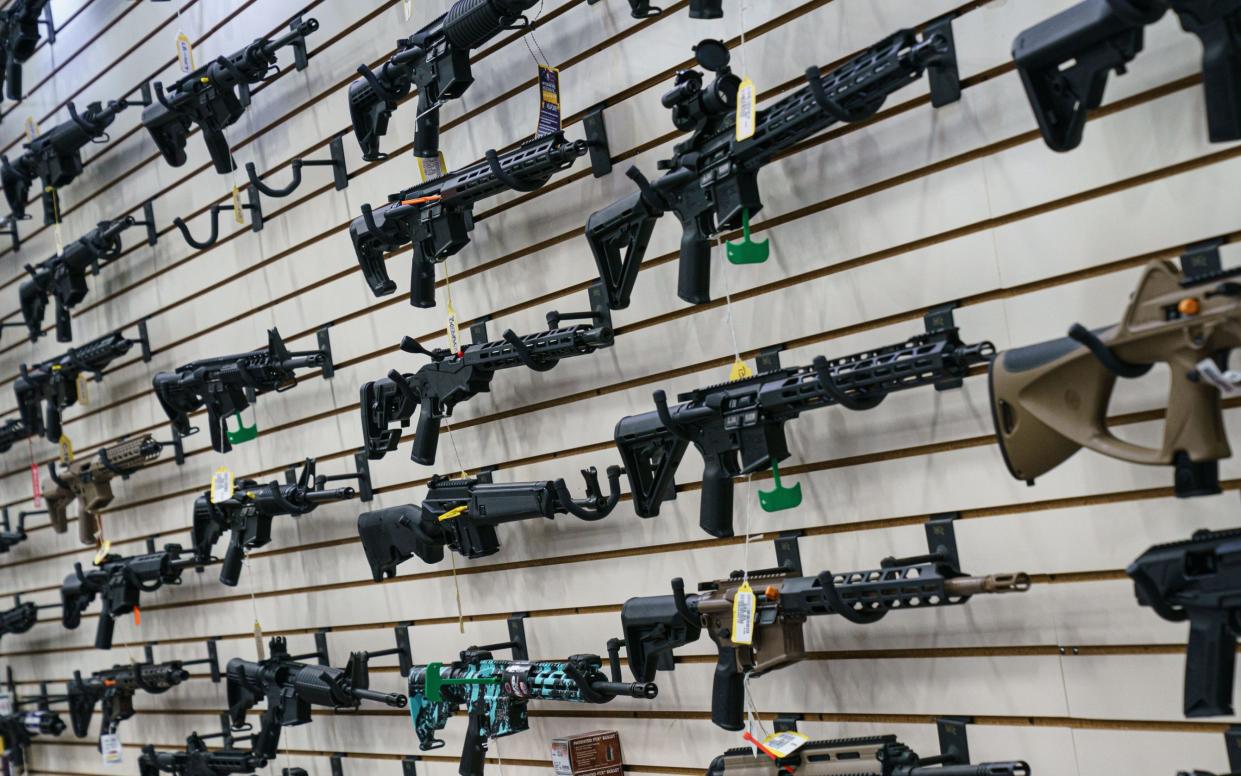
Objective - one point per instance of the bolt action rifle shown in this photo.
(55, 158)
(738, 426)
(495, 694)
(247, 515)
(1064, 61)
(436, 59)
(115, 687)
(451, 378)
(656, 625)
(463, 515)
(1051, 399)
(119, 581)
(54, 382)
(19, 37)
(226, 385)
(63, 277)
(1198, 580)
(865, 756)
(291, 688)
(89, 482)
(438, 216)
(217, 94)
(198, 760)
(711, 183)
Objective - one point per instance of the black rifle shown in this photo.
(1064, 61)
(738, 427)
(656, 625)
(1198, 580)
(247, 514)
(866, 756)
(19, 37)
(226, 385)
(698, 9)
(436, 59)
(55, 158)
(63, 277)
(13, 431)
(217, 94)
(119, 581)
(292, 687)
(198, 760)
(712, 179)
(19, 619)
(19, 729)
(475, 507)
(54, 382)
(438, 216)
(451, 378)
(115, 688)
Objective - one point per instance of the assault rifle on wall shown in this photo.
(198, 760)
(438, 216)
(463, 515)
(63, 277)
(217, 94)
(1064, 61)
(55, 158)
(436, 60)
(19, 37)
(451, 378)
(22, 617)
(114, 688)
(738, 426)
(119, 582)
(54, 383)
(292, 687)
(495, 693)
(712, 179)
(226, 385)
(656, 625)
(247, 514)
(19, 727)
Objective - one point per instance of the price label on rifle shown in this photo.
(110, 748)
(258, 641)
(57, 237)
(453, 329)
(784, 744)
(739, 371)
(36, 486)
(743, 615)
(747, 101)
(104, 548)
(549, 101)
(32, 129)
(66, 450)
(432, 167)
(239, 215)
(221, 485)
(185, 52)
(1227, 381)
(83, 385)
(6, 704)
(409, 9)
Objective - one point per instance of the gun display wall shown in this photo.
(388, 427)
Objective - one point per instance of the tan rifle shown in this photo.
(89, 481)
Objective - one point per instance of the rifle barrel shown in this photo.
(646, 690)
(1017, 582)
(394, 699)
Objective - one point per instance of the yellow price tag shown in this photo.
(785, 743)
(744, 605)
(747, 110)
(221, 485)
(104, 548)
(431, 168)
(739, 371)
(454, 512)
(185, 52)
(239, 215)
(452, 328)
(66, 450)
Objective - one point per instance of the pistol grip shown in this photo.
(230, 569)
(694, 271)
(426, 436)
(217, 147)
(474, 750)
(716, 510)
(88, 525)
(64, 323)
(1209, 664)
(422, 280)
(728, 691)
(107, 623)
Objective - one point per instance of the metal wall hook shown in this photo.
(148, 220)
(597, 140)
(340, 172)
(9, 229)
(256, 220)
(47, 22)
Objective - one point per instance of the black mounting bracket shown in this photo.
(478, 330)
(940, 322)
(597, 140)
(954, 744)
(9, 225)
(788, 553)
(298, 45)
(323, 338)
(484, 473)
(145, 99)
(321, 647)
(407, 766)
(47, 22)
(178, 448)
(768, 359)
(144, 340)
(1202, 259)
(150, 545)
(944, 78)
(600, 314)
(254, 205)
(403, 651)
(785, 723)
(340, 173)
(148, 220)
(1232, 741)
(362, 465)
(517, 635)
(941, 537)
(337, 770)
(641, 9)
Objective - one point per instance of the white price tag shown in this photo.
(784, 744)
(185, 52)
(452, 328)
(221, 485)
(1227, 381)
(747, 113)
(6, 704)
(409, 9)
(110, 748)
(743, 615)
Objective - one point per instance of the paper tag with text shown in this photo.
(66, 450)
(36, 487)
(32, 129)
(432, 167)
(57, 237)
(409, 9)
(739, 371)
(784, 744)
(743, 615)
(258, 641)
(6, 704)
(239, 215)
(747, 101)
(83, 385)
(185, 52)
(110, 748)
(104, 548)
(1227, 381)
(221, 485)
(549, 101)
(452, 328)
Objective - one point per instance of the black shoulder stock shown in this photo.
(168, 129)
(393, 535)
(653, 628)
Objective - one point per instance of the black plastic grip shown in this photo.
(728, 691)
(474, 750)
(217, 146)
(103, 634)
(426, 437)
(1209, 664)
(13, 79)
(230, 569)
(716, 510)
(422, 280)
(426, 129)
(52, 422)
(694, 274)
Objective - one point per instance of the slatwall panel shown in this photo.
(871, 225)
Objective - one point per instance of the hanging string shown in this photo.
(456, 452)
(530, 36)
